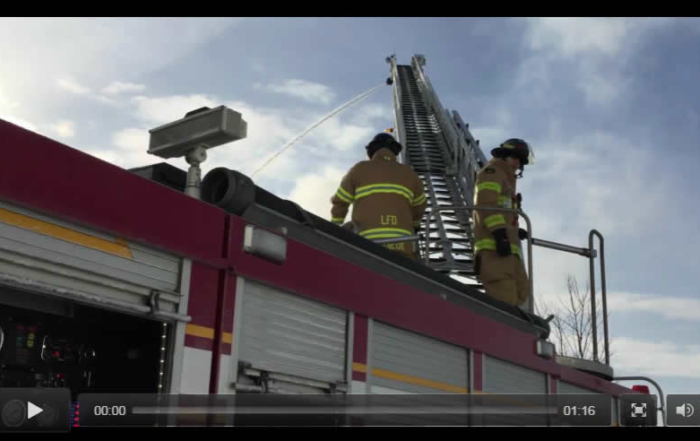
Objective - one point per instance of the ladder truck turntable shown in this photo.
(120, 281)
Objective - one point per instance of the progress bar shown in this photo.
(353, 410)
(140, 410)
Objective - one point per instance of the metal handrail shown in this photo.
(506, 210)
(604, 294)
(585, 252)
(658, 388)
(590, 253)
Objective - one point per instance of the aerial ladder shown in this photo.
(440, 148)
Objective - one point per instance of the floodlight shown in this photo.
(193, 135)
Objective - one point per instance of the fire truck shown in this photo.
(120, 281)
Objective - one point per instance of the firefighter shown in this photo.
(388, 196)
(499, 258)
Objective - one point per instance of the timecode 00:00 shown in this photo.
(109, 411)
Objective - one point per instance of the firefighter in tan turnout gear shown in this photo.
(499, 258)
(388, 196)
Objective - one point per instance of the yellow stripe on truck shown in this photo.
(359, 367)
(118, 247)
(205, 332)
(409, 379)
(199, 331)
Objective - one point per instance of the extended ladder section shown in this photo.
(441, 150)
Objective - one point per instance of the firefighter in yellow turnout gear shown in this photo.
(499, 257)
(388, 196)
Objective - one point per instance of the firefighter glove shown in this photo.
(522, 234)
(502, 242)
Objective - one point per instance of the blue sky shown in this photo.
(609, 105)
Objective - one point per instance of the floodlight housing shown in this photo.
(207, 128)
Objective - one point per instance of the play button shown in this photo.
(33, 410)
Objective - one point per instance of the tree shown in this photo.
(572, 325)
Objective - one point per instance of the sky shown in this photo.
(609, 105)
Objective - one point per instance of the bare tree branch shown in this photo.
(572, 326)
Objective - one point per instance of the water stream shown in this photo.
(358, 98)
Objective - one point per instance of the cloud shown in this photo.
(348, 132)
(498, 129)
(337, 135)
(129, 149)
(601, 179)
(602, 88)
(550, 270)
(126, 150)
(163, 110)
(131, 139)
(593, 53)
(64, 129)
(104, 100)
(656, 359)
(672, 308)
(306, 90)
(313, 191)
(257, 66)
(574, 37)
(103, 47)
(268, 131)
(6, 103)
(370, 113)
(118, 87)
(568, 37)
(69, 54)
(72, 86)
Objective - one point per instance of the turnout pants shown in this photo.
(503, 277)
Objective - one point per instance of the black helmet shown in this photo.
(515, 147)
(383, 140)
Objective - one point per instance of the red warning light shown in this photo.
(641, 388)
(56, 354)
